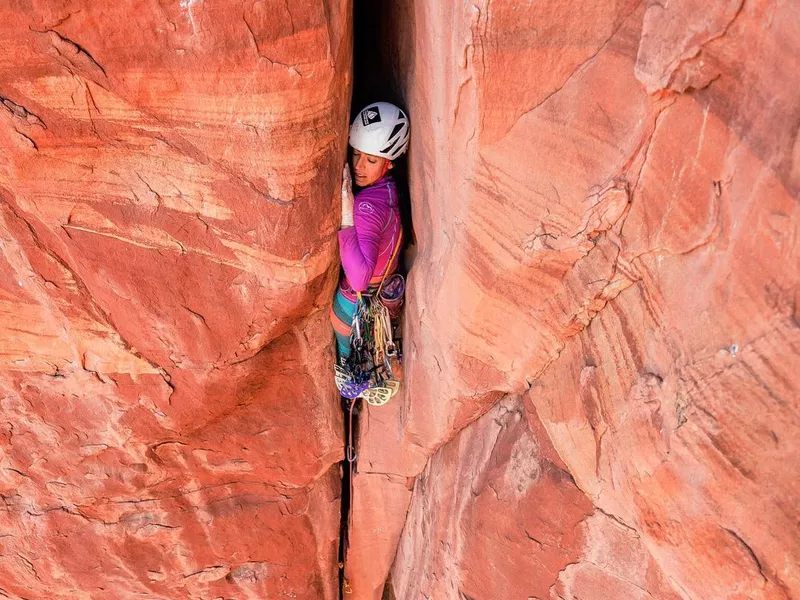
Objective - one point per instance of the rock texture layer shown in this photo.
(602, 337)
(606, 198)
(167, 177)
(499, 495)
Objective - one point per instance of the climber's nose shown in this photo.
(360, 165)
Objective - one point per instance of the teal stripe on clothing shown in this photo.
(343, 308)
(343, 311)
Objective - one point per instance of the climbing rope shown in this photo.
(368, 372)
(350, 456)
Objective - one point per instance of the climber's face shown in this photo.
(367, 168)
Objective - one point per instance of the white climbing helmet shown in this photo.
(381, 129)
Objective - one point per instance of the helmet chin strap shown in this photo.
(385, 168)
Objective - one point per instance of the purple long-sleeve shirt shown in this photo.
(367, 247)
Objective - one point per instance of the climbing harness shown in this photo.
(368, 372)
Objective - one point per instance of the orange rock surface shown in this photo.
(606, 197)
(168, 184)
(600, 395)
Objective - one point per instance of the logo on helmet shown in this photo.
(370, 116)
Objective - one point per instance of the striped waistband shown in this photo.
(348, 292)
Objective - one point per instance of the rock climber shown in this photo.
(371, 231)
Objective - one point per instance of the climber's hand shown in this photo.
(347, 198)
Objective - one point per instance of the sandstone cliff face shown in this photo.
(600, 395)
(606, 202)
(167, 177)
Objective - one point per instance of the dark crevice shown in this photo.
(21, 112)
(349, 469)
(748, 550)
(376, 78)
(61, 42)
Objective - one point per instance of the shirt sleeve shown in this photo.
(359, 245)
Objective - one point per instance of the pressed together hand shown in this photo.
(347, 198)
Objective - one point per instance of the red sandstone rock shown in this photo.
(606, 203)
(605, 293)
(167, 178)
(495, 495)
(509, 522)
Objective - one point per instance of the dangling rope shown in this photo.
(369, 362)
